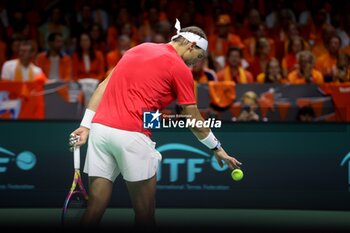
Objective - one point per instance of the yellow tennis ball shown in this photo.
(237, 174)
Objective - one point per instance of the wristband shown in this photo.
(210, 141)
(218, 147)
(86, 122)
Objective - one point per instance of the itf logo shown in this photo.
(346, 160)
(25, 160)
(192, 166)
(151, 120)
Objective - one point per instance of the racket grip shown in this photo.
(77, 157)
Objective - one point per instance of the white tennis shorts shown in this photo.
(114, 151)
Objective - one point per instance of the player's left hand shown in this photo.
(222, 156)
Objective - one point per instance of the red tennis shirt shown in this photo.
(147, 78)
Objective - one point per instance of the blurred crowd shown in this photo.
(251, 41)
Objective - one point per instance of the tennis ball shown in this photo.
(237, 174)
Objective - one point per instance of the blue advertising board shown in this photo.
(286, 165)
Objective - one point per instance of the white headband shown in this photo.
(191, 37)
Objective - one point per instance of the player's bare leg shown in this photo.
(100, 190)
(142, 195)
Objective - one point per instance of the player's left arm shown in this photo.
(206, 136)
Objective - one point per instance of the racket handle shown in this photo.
(77, 157)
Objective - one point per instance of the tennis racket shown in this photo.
(76, 200)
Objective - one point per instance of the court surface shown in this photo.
(203, 220)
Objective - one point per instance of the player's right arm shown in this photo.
(205, 136)
(79, 136)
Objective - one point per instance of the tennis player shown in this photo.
(147, 78)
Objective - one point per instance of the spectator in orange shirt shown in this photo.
(261, 58)
(273, 73)
(341, 72)
(305, 72)
(258, 31)
(87, 62)
(55, 64)
(202, 74)
(321, 41)
(252, 21)
(22, 69)
(283, 30)
(326, 62)
(233, 70)
(295, 45)
(53, 24)
(222, 39)
(121, 25)
(98, 38)
(114, 56)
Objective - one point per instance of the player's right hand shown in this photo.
(78, 137)
(222, 156)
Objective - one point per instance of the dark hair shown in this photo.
(291, 41)
(234, 49)
(52, 36)
(334, 36)
(92, 53)
(196, 30)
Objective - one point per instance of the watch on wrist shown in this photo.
(217, 147)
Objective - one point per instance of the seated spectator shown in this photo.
(202, 74)
(19, 26)
(249, 105)
(114, 56)
(258, 31)
(261, 58)
(305, 72)
(98, 38)
(158, 38)
(55, 64)
(99, 14)
(87, 62)
(273, 73)
(233, 70)
(222, 39)
(22, 69)
(113, 31)
(320, 46)
(149, 24)
(253, 20)
(53, 24)
(129, 30)
(341, 72)
(85, 20)
(280, 12)
(295, 45)
(293, 32)
(327, 61)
